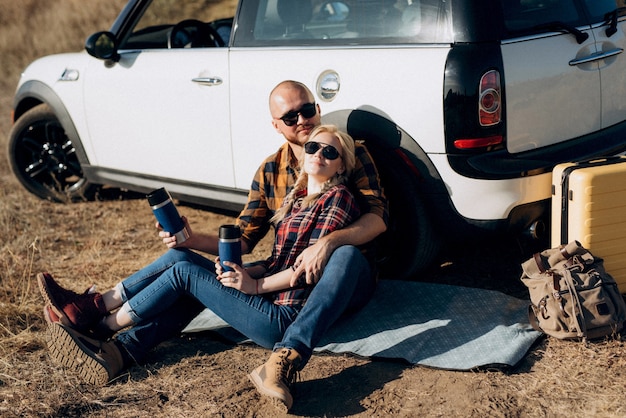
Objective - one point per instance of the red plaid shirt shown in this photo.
(301, 228)
(275, 179)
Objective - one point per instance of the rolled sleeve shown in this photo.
(365, 184)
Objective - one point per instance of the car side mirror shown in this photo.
(102, 45)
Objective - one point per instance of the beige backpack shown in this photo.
(571, 294)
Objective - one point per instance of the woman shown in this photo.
(259, 301)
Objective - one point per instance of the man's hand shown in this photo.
(311, 262)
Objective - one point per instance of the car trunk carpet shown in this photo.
(435, 325)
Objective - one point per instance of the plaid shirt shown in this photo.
(275, 179)
(301, 228)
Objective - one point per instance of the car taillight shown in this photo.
(489, 103)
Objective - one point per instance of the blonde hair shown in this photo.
(349, 162)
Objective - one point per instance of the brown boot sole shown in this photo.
(71, 353)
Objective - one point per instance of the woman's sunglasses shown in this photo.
(308, 110)
(328, 151)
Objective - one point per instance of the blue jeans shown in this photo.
(166, 295)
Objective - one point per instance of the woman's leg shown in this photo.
(346, 286)
(136, 282)
(256, 317)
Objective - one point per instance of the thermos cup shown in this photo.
(230, 245)
(166, 213)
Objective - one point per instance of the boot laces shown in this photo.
(286, 370)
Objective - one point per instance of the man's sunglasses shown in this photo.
(328, 151)
(308, 110)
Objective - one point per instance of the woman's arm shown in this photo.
(275, 282)
(241, 280)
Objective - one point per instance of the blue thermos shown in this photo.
(167, 215)
(229, 245)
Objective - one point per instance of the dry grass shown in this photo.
(101, 242)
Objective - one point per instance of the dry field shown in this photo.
(103, 241)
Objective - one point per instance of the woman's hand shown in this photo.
(218, 266)
(237, 279)
(170, 240)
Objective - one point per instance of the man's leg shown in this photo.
(131, 345)
(98, 362)
(141, 338)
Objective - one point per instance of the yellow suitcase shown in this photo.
(589, 205)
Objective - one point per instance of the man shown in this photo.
(331, 263)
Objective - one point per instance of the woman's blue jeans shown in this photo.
(166, 295)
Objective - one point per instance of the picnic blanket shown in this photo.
(435, 325)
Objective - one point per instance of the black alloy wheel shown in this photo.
(44, 159)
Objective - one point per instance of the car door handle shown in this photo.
(596, 56)
(208, 81)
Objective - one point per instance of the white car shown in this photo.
(465, 105)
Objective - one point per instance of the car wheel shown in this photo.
(44, 159)
(410, 243)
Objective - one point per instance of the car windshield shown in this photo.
(358, 22)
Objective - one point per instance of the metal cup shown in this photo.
(229, 245)
(167, 215)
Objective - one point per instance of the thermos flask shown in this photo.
(230, 245)
(167, 215)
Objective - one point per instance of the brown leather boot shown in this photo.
(276, 377)
(96, 362)
(79, 311)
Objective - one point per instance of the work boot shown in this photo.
(276, 377)
(96, 362)
(80, 311)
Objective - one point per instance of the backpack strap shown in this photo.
(577, 306)
(540, 263)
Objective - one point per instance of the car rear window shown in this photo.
(352, 22)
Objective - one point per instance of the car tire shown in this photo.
(410, 243)
(44, 159)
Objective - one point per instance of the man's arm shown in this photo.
(314, 258)
(254, 218)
